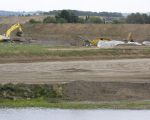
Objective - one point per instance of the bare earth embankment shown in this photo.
(84, 74)
(97, 80)
(70, 34)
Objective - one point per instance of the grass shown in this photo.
(75, 105)
(21, 50)
(28, 50)
(51, 96)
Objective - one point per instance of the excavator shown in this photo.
(130, 37)
(93, 42)
(6, 37)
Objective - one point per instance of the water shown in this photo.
(57, 114)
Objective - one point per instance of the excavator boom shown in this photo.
(12, 28)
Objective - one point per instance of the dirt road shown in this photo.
(133, 70)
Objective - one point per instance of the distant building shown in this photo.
(108, 20)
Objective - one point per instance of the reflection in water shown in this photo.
(57, 114)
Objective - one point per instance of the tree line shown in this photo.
(67, 16)
(137, 18)
(86, 13)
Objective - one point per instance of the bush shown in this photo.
(32, 21)
(23, 91)
(61, 20)
(49, 20)
(94, 20)
(116, 22)
(81, 20)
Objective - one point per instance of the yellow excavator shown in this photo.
(6, 37)
(93, 42)
(130, 37)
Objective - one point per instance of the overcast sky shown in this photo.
(85, 5)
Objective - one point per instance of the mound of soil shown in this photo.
(106, 91)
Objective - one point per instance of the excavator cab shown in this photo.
(19, 33)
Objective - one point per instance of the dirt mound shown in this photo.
(68, 34)
(106, 91)
(71, 32)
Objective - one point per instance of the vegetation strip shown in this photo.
(52, 96)
(28, 50)
(75, 105)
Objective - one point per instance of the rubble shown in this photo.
(105, 44)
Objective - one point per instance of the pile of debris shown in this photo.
(129, 41)
(147, 43)
(112, 43)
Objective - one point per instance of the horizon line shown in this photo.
(68, 9)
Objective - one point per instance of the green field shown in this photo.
(60, 51)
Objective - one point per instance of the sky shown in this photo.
(125, 6)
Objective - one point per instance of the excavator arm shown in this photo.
(130, 37)
(12, 28)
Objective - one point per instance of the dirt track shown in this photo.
(133, 70)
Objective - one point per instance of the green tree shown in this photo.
(146, 18)
(68, 16)
(137, 18)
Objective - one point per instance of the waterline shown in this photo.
(60, 114)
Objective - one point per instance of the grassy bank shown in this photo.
(53, 96)
(28, 50)
(75, 105)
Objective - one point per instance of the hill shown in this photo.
(62, 34)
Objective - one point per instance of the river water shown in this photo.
(58, 114)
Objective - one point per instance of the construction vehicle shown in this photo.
(6, 37)
(130, 37)
(94, 42)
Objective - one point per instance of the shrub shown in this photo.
(32, 21)
(94, 20)
(61, 20)
(49, 20)
(81, 20)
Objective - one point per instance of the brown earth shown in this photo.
(69, 34)
(106, 91)
(126, 70)
(94, 80)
